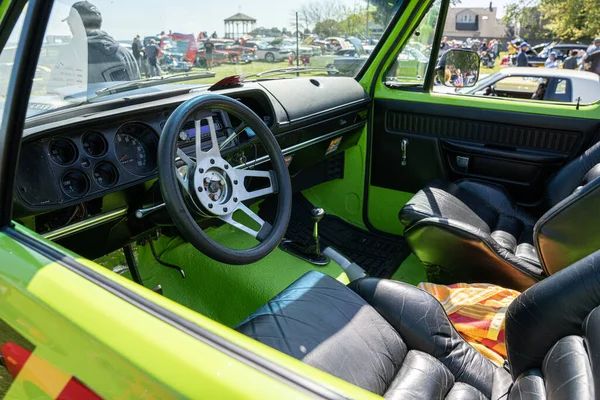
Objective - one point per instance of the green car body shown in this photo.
(124, 341)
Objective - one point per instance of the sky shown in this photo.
(123, 19)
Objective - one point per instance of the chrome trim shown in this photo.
(300, 146)
(85, 224)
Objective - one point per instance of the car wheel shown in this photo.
(331, 67)
(201, 62)
(269, 57)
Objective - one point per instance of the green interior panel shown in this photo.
(344, 197)
(411, 271)
(384, 206)
(225, 293)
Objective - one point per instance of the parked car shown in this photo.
(170, 57)
(266, 52)
(290, 46)
(328, 60)
(562, 52)
(186, 44)
(233, 51)
(218, 57)
(546, 84)
(345, 61)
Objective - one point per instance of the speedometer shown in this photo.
(136, 147)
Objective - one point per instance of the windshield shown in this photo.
(89, 47)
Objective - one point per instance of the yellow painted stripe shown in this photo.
(44, 375)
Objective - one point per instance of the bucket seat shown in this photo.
(396, 340)
(472, 231)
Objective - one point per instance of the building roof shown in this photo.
(240, 17)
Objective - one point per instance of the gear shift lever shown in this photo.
(310, 252)
(317, 215)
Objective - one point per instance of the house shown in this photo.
(471, 22)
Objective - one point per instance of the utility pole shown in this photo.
(367, 25)
(297, 47)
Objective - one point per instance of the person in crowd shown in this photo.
(551, 61)
(208, 48)
(107, 60)
(152, 51)
(459, 81)
(522, 58)
(136, 49)
(494, 50)
(484, 46)
(592, 65)
(445, 45)
(572, 62)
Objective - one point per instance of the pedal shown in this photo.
(157, 289)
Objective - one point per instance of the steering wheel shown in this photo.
(208, 186)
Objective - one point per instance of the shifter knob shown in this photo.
(317, 214)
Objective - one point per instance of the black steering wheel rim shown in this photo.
(173, 193)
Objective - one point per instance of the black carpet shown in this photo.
(378, 254)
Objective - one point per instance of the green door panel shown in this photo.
(344, 197)
(120, 350)
(588, 111)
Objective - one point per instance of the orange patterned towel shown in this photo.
(477, 312)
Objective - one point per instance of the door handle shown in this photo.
(404, 148)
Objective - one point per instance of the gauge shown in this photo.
(105, 174)
(75, 183)
(63, 151)
(94, 144)
(136, 148)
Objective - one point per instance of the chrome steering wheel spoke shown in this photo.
(214, 150)
(182, 174)
(245, 194)
(258, 234)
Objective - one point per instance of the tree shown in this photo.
(526, 22)
(572, 19)
(328, 27)
(262, 31)
(546, 19)
(314, 12)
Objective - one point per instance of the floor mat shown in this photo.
(378, 254)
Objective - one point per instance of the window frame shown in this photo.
(433, 57)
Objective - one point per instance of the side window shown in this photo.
(506, 40)
(562, 91)
(525, 84)
(411, 64)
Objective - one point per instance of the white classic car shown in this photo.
(545, 84)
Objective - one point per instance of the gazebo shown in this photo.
(239, 25)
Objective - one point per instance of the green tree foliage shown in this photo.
(328, 27)
(572, 19)
(267, 32)
(550, 19)
(383, 11)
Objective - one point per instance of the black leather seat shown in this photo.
(472, 231)
(395, 340)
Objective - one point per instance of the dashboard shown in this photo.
(101, 157)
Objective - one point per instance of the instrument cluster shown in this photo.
(86, 163)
